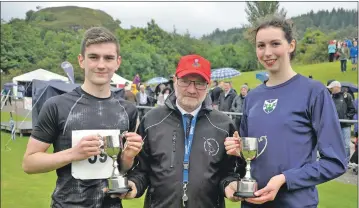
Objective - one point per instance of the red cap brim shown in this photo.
(187, 72)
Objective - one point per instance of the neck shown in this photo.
(99, 91)
(281, 76)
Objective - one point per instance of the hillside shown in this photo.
(71, 17)
(341, 23)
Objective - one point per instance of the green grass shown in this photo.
(5, 117)
(321, 72)
(21, 190)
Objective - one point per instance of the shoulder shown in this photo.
(157, 113)
(312, 88)
(128, 106)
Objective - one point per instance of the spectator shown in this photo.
(226, 97)
(354, 55)
(215, 92)
(345, 109)
(344, 56)
(142, 100)
(163, 96)
(129, 96)
(136, 80)
(237, 105)
(331, 50)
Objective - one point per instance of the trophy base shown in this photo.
(244, 195)
(119, 191)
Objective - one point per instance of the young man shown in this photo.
(89, 107)
(183, 162)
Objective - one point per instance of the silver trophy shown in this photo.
(248, 185)
(113, 146)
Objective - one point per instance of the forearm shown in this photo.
(315, 173)
(42, 162)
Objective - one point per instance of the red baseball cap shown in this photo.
(194, 64)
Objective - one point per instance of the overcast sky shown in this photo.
(198, 17)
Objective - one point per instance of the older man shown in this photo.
(346, 110)
(184, 162)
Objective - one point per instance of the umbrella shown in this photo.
(352, 87)
(157, 80)
(9, 84)
(224, 73)
(262, 76)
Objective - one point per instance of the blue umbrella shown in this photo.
(262, 76)
(352, 87)
(156, 80)
(224, 73)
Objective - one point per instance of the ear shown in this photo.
(119, 60)
(81, 60)
(292, 45)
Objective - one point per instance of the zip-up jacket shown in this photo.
(160, 167)
(345, 108)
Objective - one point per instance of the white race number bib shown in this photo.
(95, 167)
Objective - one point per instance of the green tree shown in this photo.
(259, 9)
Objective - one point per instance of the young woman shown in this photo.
(297, 116)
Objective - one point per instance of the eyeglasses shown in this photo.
(198, 84)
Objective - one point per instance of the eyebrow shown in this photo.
(94, 54)
(270, 41)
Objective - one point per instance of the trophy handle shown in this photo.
(265, 145)
(122, 139)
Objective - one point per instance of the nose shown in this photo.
(267, 51)
(101, 63)
(191, 88)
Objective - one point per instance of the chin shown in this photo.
(190, 102)
(100, 82)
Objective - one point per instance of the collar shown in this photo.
(193, 113)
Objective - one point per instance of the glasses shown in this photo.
(198, 84)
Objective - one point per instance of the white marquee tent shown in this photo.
(117, 79)
(39, 74)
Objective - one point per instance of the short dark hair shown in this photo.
(97, 35)
(279, 22)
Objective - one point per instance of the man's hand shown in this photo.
(87, 147)
(269, 192)
(233, 145)
(229, 191)
(129, 195)
(133, 145)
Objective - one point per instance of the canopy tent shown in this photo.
(39, 74)
(43, 90)
(118, 80)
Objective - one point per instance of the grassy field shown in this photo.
(321, 72)
(34, 191)
(19, 190)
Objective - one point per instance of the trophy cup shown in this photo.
(248, 185)
(113, 146)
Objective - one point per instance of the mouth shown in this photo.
(270, 62)
(101, 73)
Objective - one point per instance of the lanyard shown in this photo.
(188, 144)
